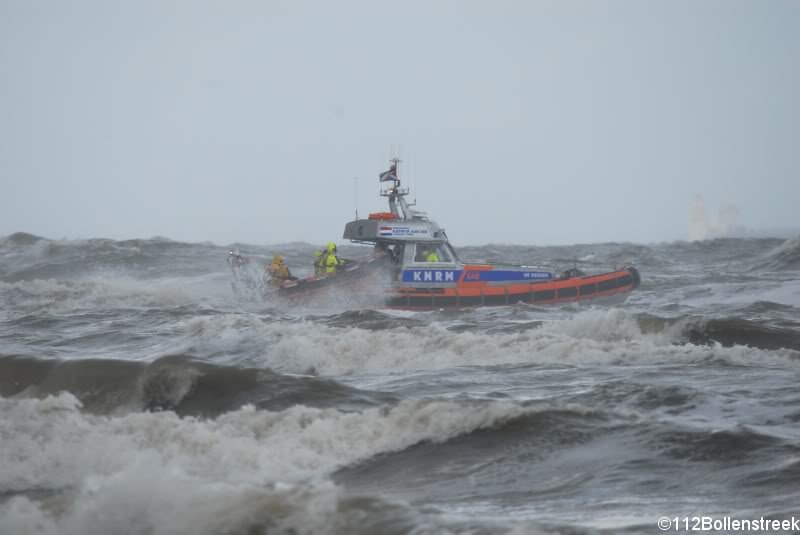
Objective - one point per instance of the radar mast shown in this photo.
(396, 194)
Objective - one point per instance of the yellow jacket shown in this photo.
(331, 263)
(278, 271)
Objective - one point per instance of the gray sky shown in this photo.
(520, 122)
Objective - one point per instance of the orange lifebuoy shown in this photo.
(382, 215)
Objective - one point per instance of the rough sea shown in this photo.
(140, 395)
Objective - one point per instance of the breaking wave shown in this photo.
(245, 470)
(185, 385)
(110, 291)
(610, 336)
(785, 256)
(742, 332)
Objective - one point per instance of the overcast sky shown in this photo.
(520, 122)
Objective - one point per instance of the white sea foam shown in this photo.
(117, 290)
(151, 497)
(128, 474)
(593, 336)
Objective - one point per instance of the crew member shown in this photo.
(319, 262)
(278, 271)
(332, 261)
(431, 256)
(393, 253)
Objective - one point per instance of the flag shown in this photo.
(391, 174)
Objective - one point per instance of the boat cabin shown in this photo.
(417, 245)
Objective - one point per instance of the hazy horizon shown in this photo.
(780, 234)
(520, 122)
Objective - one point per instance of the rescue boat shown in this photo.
(413, 266)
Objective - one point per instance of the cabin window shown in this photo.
(432, 252)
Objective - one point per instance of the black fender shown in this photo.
(637, 279)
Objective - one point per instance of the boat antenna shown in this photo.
(355, 179)
(415, 182)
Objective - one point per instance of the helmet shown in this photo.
(277, 259)
(331, 247)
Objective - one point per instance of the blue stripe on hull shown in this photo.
(431, 275)
(499, 275)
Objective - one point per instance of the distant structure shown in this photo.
(726, 225)
(728, 221)
(697, 219)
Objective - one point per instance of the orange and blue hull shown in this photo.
(484, 286)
